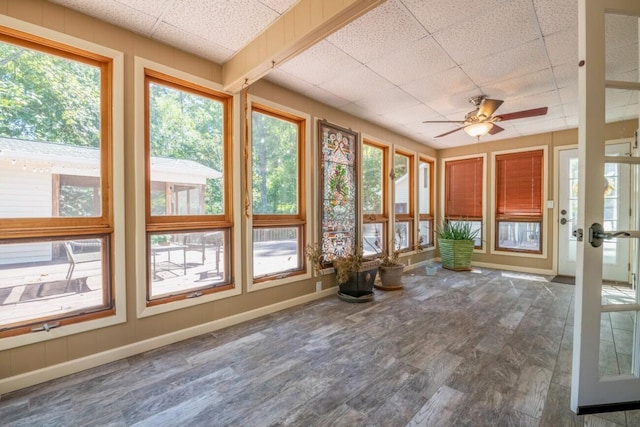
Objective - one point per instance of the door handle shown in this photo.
(597, 235)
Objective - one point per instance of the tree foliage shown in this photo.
(275, 165)
(48, 98)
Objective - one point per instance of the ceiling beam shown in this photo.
(302, 26)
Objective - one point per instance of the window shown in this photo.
(403, 200)
(463, 192)
(188, 221)
(277, 153)
(425, 199)
(375, 170)
(519, 180)
(56, 151)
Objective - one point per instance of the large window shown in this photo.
(519, 181)
(188, 189)
(463, 192)
(425, 200)
(375, 172)
(278, 193)
(56, 183)
(403, 200)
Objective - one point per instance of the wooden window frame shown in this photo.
(409, 216)
(299, 220)
(55, 228)
(189, 223)
(383, 217)
(456, 216)
(428, 216)
(501, 214)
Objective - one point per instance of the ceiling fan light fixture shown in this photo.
(478, 129)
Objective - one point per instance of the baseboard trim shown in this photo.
(610, 407)
(38, 376)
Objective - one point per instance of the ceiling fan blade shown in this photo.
(450, 132)
(443, 121)
(488, 107)
(495, 129)
(521, 114)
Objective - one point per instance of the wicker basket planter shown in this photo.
(456, 254)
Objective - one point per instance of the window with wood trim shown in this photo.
(278, 199)
(425, 203)
(519, 182)
(403, 173)
(375, 212)
(463, 192)
(188, 188)
(56, 183)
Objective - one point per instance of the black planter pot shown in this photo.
(359, 287)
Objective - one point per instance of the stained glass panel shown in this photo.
(339, 198)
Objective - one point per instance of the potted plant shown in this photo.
(455, 243)
(390, 268)
(355, 275)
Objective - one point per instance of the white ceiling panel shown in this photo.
(357, 83)
(194, 43)
(236, 23)
(407, 61)
(438, 14)
(412, 62)
(490, 32)
(389, 26)
(557, 15)
(116, 13)
(320, 63)
(520, 60)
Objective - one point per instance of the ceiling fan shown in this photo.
(480, 121)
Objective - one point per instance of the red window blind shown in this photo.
(463, 188)
(519, 185)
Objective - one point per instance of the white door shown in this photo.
(606, 341)
(617, 196)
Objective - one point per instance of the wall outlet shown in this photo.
(318, 286)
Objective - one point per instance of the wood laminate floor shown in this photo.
(482, 348)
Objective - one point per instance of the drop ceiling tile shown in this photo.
(228, 24)
(523, 59)
(545, 99)
(620, 61)
(357, 83)
(326, 97)
(448, 12)
(390, 99)
(437, 86)
(569, 94)
(414, 114)
(284, 79)
(617, 98)
(419, 58)
(572, 121)
(320, 63)
(150, 7)
(566, 75)
(192, 43)
(616, 114)
(454, 106)
(533, 128)
(387, 27)
(557, 15)
(279, 6)
(562, 48)
(530, 84)
(114, 13)
(489, 32)
(570, 110)
(620, 30)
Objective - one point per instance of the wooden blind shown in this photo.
(519, 185)
(463, 189)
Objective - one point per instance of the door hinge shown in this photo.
(635, 139)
